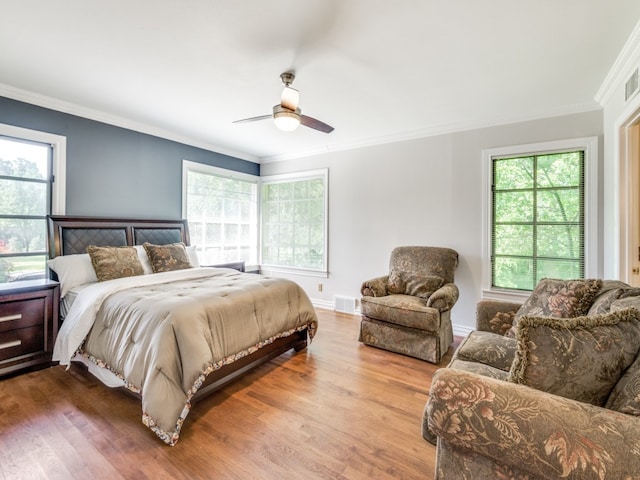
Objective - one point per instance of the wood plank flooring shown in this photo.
(337, 410)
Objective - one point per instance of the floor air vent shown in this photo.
(345, 304)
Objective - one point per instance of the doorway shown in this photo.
(630, 200)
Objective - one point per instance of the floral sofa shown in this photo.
(544, 390)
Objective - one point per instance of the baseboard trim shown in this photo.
(461, 330)
(324, 304)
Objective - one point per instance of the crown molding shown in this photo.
(435, 131)
(626, 61)
(103, 117)
(100, 116)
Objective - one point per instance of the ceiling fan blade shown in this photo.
(315, 124)
(253, 119)
(290, 98)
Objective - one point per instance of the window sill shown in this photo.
(269, 270)
(516, 296)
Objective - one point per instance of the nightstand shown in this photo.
(28, 324)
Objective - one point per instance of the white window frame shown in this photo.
(206, 169)
(591, 216)
(58, 144)
(59, 160)
(292, 177)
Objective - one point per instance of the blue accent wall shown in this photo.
(114, 171)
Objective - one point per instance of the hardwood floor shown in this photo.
(337, 410)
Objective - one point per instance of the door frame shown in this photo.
(629, 211)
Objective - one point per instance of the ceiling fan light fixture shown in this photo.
(287, 116)
(290, 98)
(286, 120)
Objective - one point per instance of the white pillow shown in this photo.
(72, 270)
(144, 259)
(193, 256)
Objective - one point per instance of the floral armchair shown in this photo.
(544, 390)
(408, 311)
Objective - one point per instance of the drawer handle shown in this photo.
(8, 318)
(15, 343)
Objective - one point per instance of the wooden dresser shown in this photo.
(28, 324)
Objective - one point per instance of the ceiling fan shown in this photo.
(287, 115)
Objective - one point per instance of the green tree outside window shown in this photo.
(24, 204)
(537, 219)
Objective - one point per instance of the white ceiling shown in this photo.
(376, 70)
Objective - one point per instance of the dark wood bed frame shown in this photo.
(71, 235)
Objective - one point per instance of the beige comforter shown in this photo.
(162, 337)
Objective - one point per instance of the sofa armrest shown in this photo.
(540, 433)
(495, 316)
(376, 287)
(444, 298)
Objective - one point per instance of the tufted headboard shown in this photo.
(69, 235)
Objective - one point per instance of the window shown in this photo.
(221, 206)
(294, 221)
(29, 163)
(540, 222)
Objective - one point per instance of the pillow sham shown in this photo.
(580, 358)
(72, 270)
(146, 264)
(114, 262)
(166, 258)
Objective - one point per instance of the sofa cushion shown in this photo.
(402, 310)
(559, 299)
(580, 358)
(625, 396)
(409, 283)
(479, 368)
(489, 349)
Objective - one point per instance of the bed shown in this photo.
(166, 329)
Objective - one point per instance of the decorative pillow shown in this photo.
(580, 358)
(625, 396)
(165, 258)
(502, 323)
(630, 292)
(114, 262)
(603, 301)
(626, 302)
(72, 270)
(559, 299)
(413, 284)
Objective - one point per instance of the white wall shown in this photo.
(418, 192)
